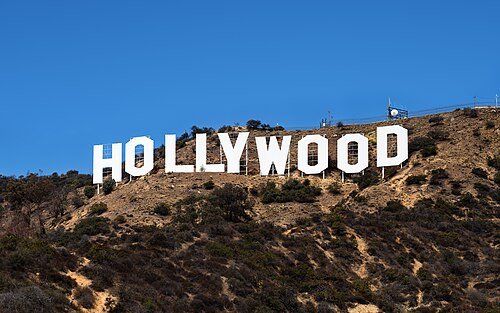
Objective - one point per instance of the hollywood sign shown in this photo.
(269, 153)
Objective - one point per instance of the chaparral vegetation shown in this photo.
(424, 238)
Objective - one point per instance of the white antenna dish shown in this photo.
(394, 113)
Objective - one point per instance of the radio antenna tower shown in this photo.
(395, 113)
(326, 122)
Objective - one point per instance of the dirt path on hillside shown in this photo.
(103, 301)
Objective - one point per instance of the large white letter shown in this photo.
(233, 154)
(342, 153)
(303, 153)
(170, 159)
(402, 142)
(201, 156)
(115, 162)
(273, 154)
(148, 165)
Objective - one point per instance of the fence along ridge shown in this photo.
(416, 113)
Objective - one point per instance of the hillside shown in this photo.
(423, 239)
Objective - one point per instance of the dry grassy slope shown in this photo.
(458, 156)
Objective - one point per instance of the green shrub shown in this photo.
(438, 135)
(335, 188)
(209, 185)
(482, 189)
(425, 144)
(292, 190)
(363, 288)
(85, 297)
(162, 209)
(429, 151)
(98, 208)
(26, 299)
(201, 130)
(77, 201)
(337, 224)
(254, 124)
(436, 120)
(469, 201)
(181, 141)
(92, 226)
(369, 178)
(494, 161)
(442, 205)
(496, 179)
(218, 250)
(108, 186)
(416, 179)
(490, 124)
(456, 187)
(233, 201)
(120, 219)
(470, 112)
(101, 254)
(89, 191)
(225, 129)
(437, 175)
(479, 172)
(394, 206)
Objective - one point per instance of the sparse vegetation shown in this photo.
(98, 208)
(437, 175)
(108, 186)
(369, 178)
(456, 187)
(479, 172)
(416, 179)
(291, 191)
(394, 206)
(494, 161)
(256, 125)
(233, 201)
(85, 297)
(438, 135)
(469, 112)
(496, 179)
(217, 253)
(162, 209)
(209, 185)
(225, 129)
(490, 124)
(92, 226)
(77, 201)
(335, 188)
(201, 130)
(89, 191)
(436, 120)
(426, 146)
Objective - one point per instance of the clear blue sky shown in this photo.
(78, 73)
